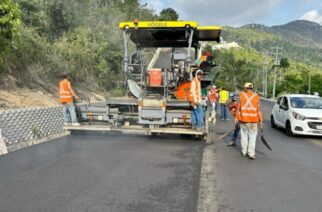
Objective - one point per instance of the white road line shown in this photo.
(207, 201)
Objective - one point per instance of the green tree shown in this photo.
(168, 14)
(284, 63)
(238, 66)
(9, 23)
(316, 80)
(61, 17)
(34, 14)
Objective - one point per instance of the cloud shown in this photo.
(237, 12)
(313, 15)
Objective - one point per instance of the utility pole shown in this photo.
(265, 74)
(309, 87)
(276, 65)
(309, 73)
(257, 80)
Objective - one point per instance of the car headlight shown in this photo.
(298, 116)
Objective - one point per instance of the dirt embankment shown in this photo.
(42, 94)
(22, 98)
(26, 98)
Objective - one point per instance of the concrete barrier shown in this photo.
(3, 147)
(26, 127)
(19, 127)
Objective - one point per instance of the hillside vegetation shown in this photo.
(301, 57)
(41, 39)
(79, 37)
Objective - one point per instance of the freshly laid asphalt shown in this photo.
(102, 173)
(88, 172)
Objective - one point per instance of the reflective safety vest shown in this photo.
(212, 95)
(223, 96)
(195, 91)
(249, 109)
(65, 93)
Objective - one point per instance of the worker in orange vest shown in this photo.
(249, 114)
(195, 100)
(212, 96)
(67, 96)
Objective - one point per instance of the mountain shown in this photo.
(300, 32)
(301, 40)
(303, 33)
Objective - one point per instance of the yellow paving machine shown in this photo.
(157, 100)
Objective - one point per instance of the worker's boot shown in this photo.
(76, 124)
(199, 129)
(231, 143)
(253, 157)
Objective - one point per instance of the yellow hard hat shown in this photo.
(248, 85)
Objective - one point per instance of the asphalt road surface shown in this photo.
(137, 173)
(102, 173)
(287, 179)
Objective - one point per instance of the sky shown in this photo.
(241, 12)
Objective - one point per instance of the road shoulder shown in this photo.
(207, 200)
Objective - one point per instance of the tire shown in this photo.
(288, 129)
(273, 125)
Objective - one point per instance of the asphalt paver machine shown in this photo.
(157, 93)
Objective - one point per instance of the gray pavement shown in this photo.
(287, 179)
(132, 173)
(102, 173)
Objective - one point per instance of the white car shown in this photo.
(298, 114)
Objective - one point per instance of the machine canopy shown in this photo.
(169, 33)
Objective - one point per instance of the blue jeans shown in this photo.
(69, 113)
(236, 132)
(223, 111)
(197, 116)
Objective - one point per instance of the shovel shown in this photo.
(264, 140)
(221, 137)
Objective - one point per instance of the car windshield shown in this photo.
(306, 102)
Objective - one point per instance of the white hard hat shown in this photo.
(199, 72)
